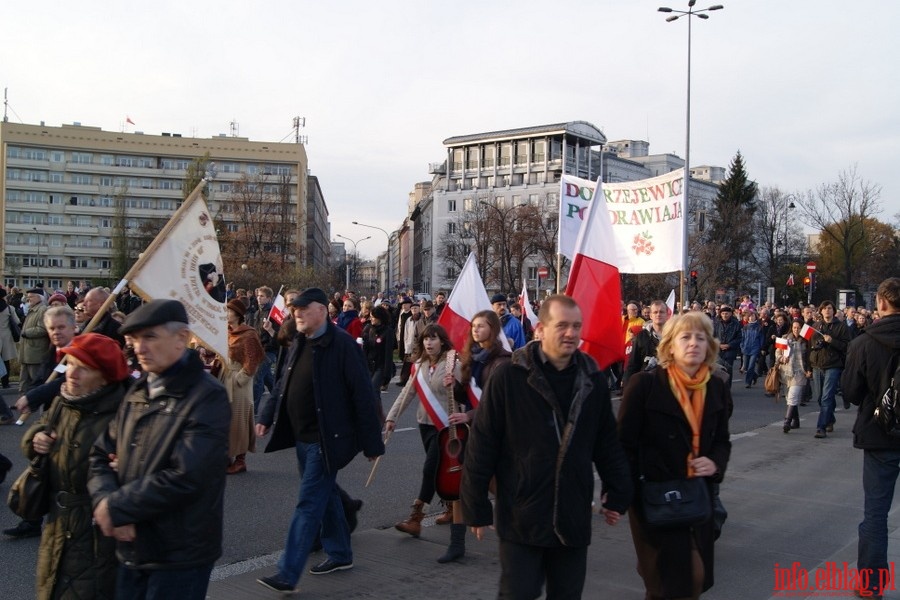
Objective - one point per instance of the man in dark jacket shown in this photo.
(93, 302)
(827, 351)
(865, 379)
(326, 411)
(727, 330)
(163, 500)
(544, 421)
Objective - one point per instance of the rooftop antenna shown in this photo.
(5, 106)
(298, 123)
(235, 128)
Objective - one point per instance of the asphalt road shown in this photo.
(259, 503)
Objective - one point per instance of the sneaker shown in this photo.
(330, 566)
(276, 584)
(25, 529)
(820, 433)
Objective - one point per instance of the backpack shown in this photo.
(887, 410)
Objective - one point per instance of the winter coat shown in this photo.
(344, 396)
(411, 332)
(378, 345)
(643, 347)
(728, 332)
(823, 355)
(7, 343)
(752, 339)
(435, 379)
(75, 560)
(35, 342)
(349, 322)
(794, 371)
(543, 463)
(245, 353)
(513, 331)
(172, 450)
(656, 437)
(866, 377)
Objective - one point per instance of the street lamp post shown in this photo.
(388, 236)
(34, 229)
(700, 14)
(354, 253)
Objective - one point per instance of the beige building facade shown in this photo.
(59, 188)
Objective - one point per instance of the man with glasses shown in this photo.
(643, 346)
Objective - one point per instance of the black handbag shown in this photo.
(14, 327)
(30, 494)
(675, 503)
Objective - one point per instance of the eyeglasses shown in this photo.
(78, 309)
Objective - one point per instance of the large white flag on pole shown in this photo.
(184, 263)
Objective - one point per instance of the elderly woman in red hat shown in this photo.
(74, 559)
(245, 353)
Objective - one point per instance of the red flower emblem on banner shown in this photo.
(642, 244)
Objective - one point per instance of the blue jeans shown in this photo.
(319, 507)
(880, 470)
(750, 375)
(824, 387)
(264, 379)
(186, 584)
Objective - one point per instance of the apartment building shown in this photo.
(60, 186)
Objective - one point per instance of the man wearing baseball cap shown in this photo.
(326, 412)
(163, 502)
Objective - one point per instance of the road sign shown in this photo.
(810, 266)
(543, 272)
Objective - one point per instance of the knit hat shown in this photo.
(100, 353)
(57, 298)
(237, 306)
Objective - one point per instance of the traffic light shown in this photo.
(806, 283)
(694, 278)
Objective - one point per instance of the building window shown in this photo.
(451, 205)
(505, 154)
(472, 162)
(521, 152)
(105, 223)
(517, 200)
(532, 272)
(79, 179)
(451, 228)
(106, 181)
(84, 158)
(487, 159)
(165, 204)
(534, 199)
(107, 160)
(81, 221)
(537, 151)
(56, 156)
(105, 243)
(54, 219)
(452, 273)
(78, 263)
(553, 200)
(457, 163)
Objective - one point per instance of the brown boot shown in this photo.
(447, 516)
(238, 466)
(413, 523)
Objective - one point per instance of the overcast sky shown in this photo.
(803, 88)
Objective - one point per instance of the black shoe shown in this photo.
(5, 466)
(820, 433)
(25, 529)
(787, 425)
(330, 566)
(400, 384)
(276, 584)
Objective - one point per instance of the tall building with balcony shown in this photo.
(523, 166)
(59, 187)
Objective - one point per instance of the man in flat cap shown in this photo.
(326, 411)
(158, 472)
(34, 344)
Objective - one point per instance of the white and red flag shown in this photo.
(526, 305)
(467, 298)
(594, 284)
(670, 303)
(790, 280)
(781, 343)
(278, 311)
(128, 120)
(807, 332)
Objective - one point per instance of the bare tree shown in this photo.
(779, 241)
(839, 211)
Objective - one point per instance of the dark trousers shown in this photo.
(185, 584)
(432, 456)
(526, 568)
(4, 381)
(405, 371)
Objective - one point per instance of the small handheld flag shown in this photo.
(807, 332)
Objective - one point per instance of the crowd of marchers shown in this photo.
(145, 425)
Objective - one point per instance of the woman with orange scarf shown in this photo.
(245, 353)
(673, 424)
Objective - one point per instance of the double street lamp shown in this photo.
(354, 253)
(388, 236)
(700, 14)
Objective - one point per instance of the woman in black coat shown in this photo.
(673, 424)
(378, 344)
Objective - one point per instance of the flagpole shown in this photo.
(558, 268)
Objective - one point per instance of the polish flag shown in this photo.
(781, 343)
(594, 284)
(790, 280)
(670, 303)
(806, 332)
(526, 305)
(467, 298)
(128, 120)
(278, 311)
